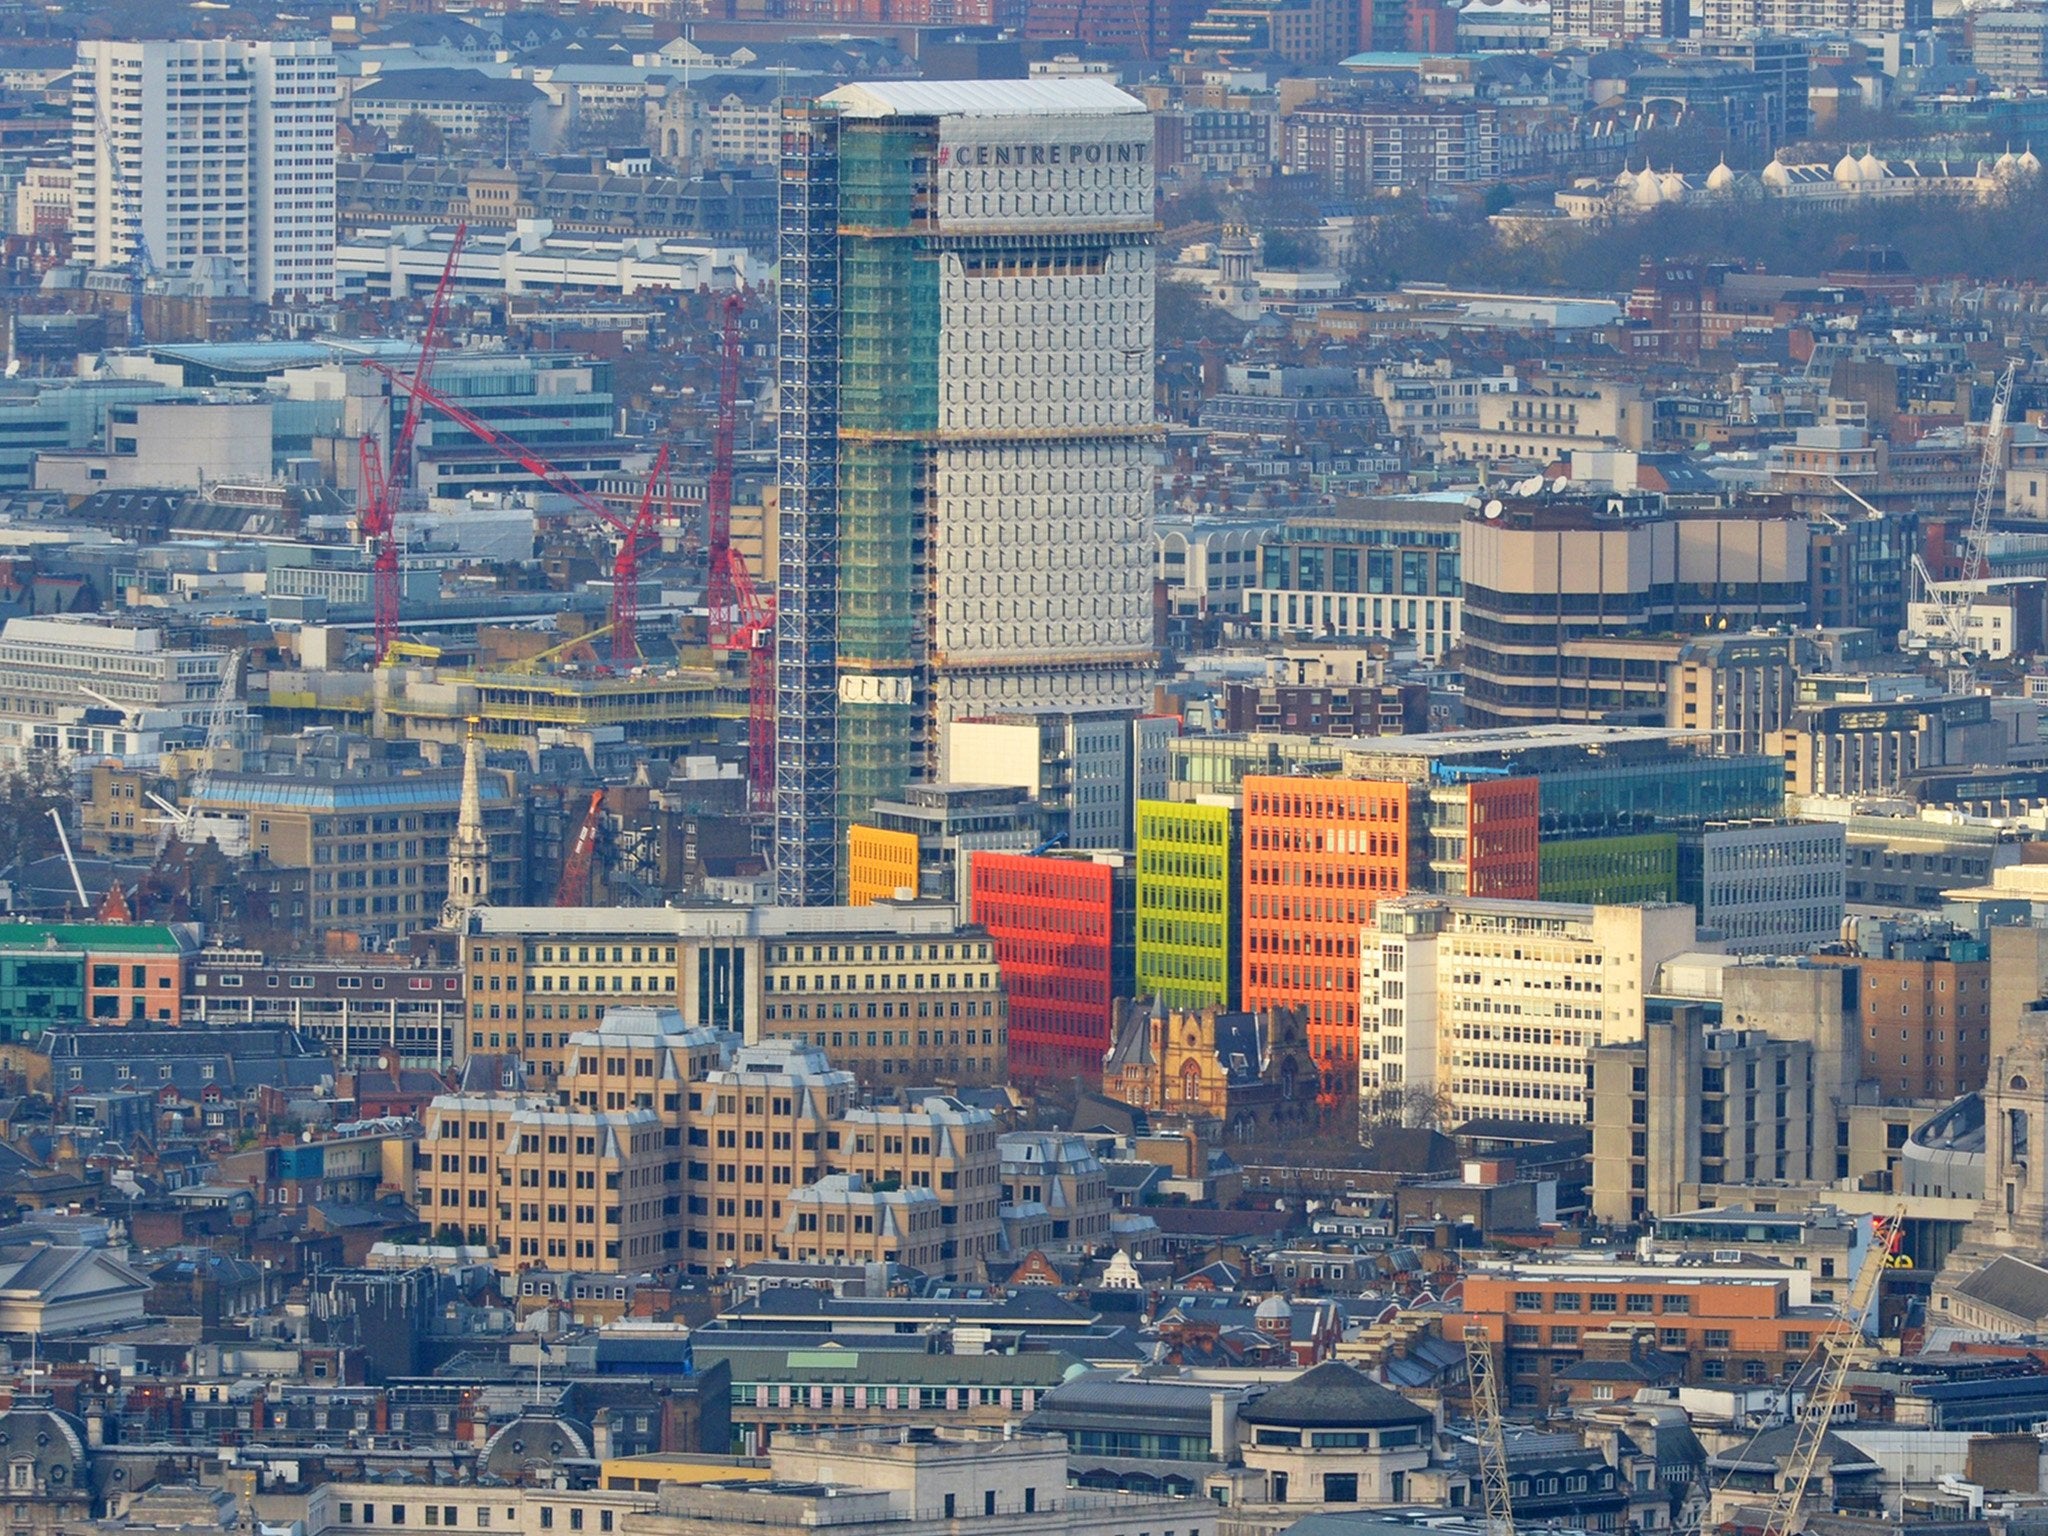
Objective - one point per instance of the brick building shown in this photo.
(1721, 1323)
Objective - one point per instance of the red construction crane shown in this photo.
(377, 497)
(626, 569)
(721, 588)
(757, 639)
(573, 889)
(741, 619)
(625, 606)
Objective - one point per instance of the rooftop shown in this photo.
(984, 98)
(125, 937)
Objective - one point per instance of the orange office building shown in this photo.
(1318, 853)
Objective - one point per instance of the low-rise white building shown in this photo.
(73, 688)
(399, 260)
(1767, 887)
(892, 1482)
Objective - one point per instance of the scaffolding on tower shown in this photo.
(380, 487)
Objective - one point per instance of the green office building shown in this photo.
(1610, 871)
(1188, 858)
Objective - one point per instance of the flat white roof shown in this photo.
(984, 98)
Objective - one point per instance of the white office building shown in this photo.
(77, 688)
(207, 153)
(1486, 1008)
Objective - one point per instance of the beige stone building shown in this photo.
(780, 1117)
(660, 1143)
(844, 1218)
(1547, 423)
(899, 996)
(538, 1184)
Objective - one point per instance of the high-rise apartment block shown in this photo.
(966, 423)
(1616, 21)
(194, 154)
(1742, 18)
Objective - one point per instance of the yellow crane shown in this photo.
(1484, 1382)
(532, 663)
(1838, 1350)
(409, 650)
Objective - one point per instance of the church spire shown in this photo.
(469, 850)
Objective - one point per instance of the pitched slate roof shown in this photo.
(2010, 1285)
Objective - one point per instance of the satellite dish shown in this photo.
(1560, 484)
(1493, 509)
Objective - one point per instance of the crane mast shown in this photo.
(1484, 1382)
(573, 889)
(378, 495)
(631, 531)
(1956, 610)
(1824, 1395)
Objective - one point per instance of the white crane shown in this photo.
(1481, 1377)
(217, 729)
(70, 863)
(1824, 1393)
(1960, 601)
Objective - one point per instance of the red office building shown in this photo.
(1064, 938)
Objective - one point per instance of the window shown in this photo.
(1678, 1305)
(1640, 1301)
(1601, 1301)
(1716, 1338)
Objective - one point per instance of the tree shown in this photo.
(27, 796)
(1182, 317)
(420, 134)
(1290, 249)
